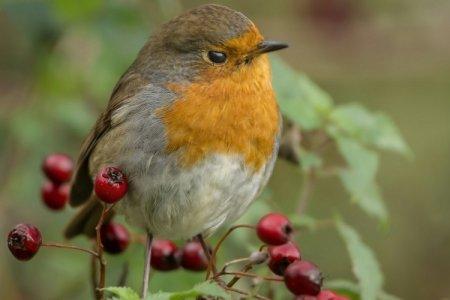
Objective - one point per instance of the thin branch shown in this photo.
(251, 275)
(71, 247)
(212, 265)
(94, 274)
(232, 262)
(207, 251)
(236, 278)
(101, 259)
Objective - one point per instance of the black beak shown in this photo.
(270, 46)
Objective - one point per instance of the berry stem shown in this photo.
(234, 261)
(251, 275)
(236, 278)
(62, 246)
(211, 266)
(94, 274)
(209, 257)
(101, 259)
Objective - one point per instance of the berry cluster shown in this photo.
(166, 256)
(58, 169)
(301, 277)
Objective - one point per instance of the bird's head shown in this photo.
(208, 42)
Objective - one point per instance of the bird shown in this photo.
(193, 123)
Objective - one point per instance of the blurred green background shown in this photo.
(60, 59)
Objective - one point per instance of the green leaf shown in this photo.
(374, 129)
(300, 99)
(202, 289)
(364, 263)
(121, 293)
(359, 177)
(390, 137)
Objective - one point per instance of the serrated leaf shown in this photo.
(364, 263)
(359, 178)
(374, 129)
(390, 137)
(121, 293)
(300, 99)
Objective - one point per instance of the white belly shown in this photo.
(180, 203)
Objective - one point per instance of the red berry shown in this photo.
(24, 241)
(303, 278)
(165, 255)
(110, 185)
(193, 257)
(274, 229)
(115, 238)
(282, 256)
(58, 168)
(55, 196)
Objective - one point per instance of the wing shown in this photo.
(128, 86)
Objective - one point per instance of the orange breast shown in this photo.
(236, 114)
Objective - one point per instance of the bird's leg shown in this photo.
(211, 263)
(147, 267)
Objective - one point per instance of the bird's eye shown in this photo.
(217, 57)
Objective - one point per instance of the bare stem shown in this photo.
(236, 278)
(94, 274)
(232, 262)
(71, 247)
(251, 275)
(212, 265)
(101, 259)
(207, 251)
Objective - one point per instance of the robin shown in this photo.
(193, 123)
